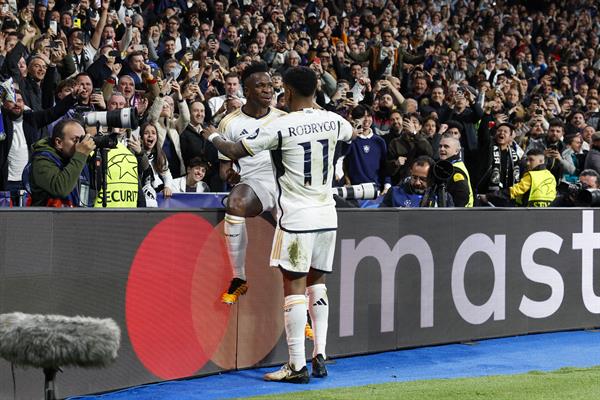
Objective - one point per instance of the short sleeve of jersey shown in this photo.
(225, 133)
(267, 140)
(345, 133)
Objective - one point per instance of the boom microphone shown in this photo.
(53, 341)
(48, 341)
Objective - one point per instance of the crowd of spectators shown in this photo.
(504, 78)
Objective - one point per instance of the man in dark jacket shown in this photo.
(592, 160)
(403, 150)
(23, 128)
(385, 58)
(57, 165)
(194, 145)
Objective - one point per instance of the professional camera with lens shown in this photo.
(80, 111)
(581, 195)
(442, 171)
(122, 118)
(364, 191)
(108, 141)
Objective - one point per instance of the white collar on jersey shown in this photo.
(367, 136)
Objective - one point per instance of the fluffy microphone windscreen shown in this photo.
(51, 341)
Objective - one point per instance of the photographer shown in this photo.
(415, 190)
(569, 194)
(58, 167)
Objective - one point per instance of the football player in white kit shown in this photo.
(254, 190)
(302, 145)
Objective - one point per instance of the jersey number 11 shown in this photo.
(307, 146)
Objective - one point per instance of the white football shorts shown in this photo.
(298, 252)
(264, 190)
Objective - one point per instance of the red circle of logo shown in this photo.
(162, 315)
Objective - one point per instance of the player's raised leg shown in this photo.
(242, 202)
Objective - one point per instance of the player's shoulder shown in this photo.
(229, 118)
(277, 112)
(273, 116)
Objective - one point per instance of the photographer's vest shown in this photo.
(78, 196)
(121, 179)
(543, 188)
(463, 169)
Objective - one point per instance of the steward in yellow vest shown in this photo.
(537, 187)
(459, 185)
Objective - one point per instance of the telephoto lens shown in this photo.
(364, 191)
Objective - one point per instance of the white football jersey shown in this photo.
(302, 145)
(238, 125)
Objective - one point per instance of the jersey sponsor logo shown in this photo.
(315, 127)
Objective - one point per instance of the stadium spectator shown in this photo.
(192, 182)
(592, 161)
(403, 150)
(573, 158)
(503, 166)
(157, 177)
(478, 63)
(193, 145)
(162, 114)
(366, 158)
(23, 128)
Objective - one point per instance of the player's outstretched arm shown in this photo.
(231, 150)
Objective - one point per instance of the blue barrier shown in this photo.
(192, 200)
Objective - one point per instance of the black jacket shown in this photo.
(194, 145)
(33, 121)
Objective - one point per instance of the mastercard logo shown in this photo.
(176, 321)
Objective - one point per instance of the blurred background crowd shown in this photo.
(500, 89)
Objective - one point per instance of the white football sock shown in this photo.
(236, 237)
(318, 308)
(294, 316)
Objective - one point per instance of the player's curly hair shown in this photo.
(253, 68)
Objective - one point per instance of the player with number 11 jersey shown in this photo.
(308, 138)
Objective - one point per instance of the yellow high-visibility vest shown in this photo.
(121, 179)
(463, 168)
